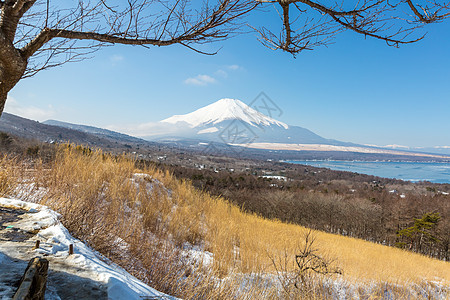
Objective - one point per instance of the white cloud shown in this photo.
(203, 79)
(200, 80)
(396, 146)
(116, 58)
(234, 67)
(150, 130)
(30, 112)
(221, 73)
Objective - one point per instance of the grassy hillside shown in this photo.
(370, 208)
(159, 228)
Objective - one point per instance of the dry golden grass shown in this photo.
(105, 203)
(9, 175)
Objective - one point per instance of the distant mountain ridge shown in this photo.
(231, 121)
(100, 132)
(66, 132)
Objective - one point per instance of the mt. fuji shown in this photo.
(231, 121)
(224, 110)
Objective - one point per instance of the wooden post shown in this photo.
(33, 282)
(70, 249)
(38, 242)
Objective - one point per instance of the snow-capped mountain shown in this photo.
(225, 110)
(231, 121)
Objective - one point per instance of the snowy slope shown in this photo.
(223, 110)
(79, 275)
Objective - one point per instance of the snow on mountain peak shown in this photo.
(222, 110)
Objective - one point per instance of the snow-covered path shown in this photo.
(82, 275)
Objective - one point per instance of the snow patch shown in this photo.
(198, 255)
(208, 130)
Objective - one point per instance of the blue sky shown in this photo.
(357, 89)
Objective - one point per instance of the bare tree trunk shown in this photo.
(3, 97)
(8, 79)
(6, 84)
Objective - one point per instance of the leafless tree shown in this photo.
(309, 261)
(297, 280)
(307, 24)
(39, 34)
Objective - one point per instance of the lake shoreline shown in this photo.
(435, 172)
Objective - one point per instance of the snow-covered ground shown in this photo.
(86, 274)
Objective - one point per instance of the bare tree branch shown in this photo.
(379, 19)
(180, 25)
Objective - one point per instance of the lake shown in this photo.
(412, 171)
